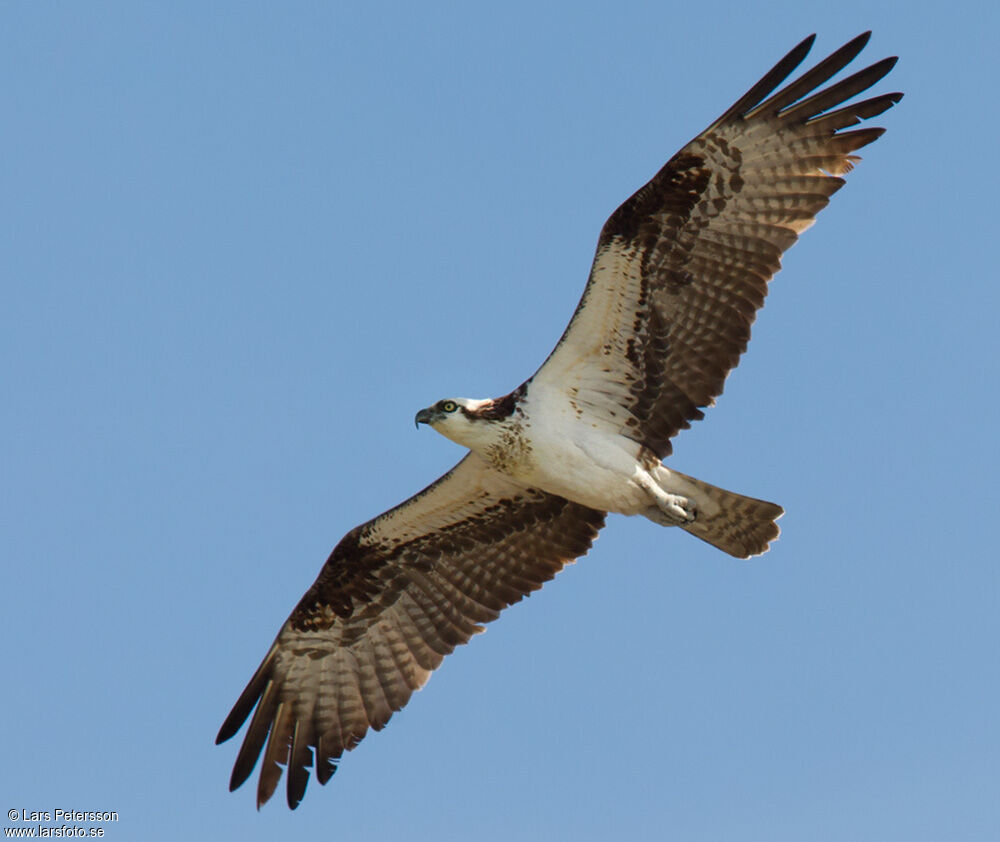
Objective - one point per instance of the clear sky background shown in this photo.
(243, 243)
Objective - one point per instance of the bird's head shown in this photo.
(460, 419)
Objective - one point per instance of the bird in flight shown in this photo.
(680, 271)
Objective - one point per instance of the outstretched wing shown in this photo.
(682, 266)
(396, 595)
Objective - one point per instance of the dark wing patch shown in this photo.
(497, 409)
(682, 266)
(397, 595)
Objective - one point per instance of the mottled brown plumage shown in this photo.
(680, 271)
(397, 595)
(682, 266)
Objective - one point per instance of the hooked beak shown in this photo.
(425, 416)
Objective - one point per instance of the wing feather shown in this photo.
(683, 265)
(813, 78)
(396, 596)
(378, 708)
(256, 734)
(301, 755)
(276, 753)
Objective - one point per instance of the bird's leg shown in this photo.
(675, 506)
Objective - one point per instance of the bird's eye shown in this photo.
(449, 406)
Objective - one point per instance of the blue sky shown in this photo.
(243, 244)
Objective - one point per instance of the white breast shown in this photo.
(568, 452)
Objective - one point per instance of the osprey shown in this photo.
(680, 271)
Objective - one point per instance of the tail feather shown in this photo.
(738, 525)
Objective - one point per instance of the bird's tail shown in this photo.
(738, 525)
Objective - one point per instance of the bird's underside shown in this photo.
(680, 271)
